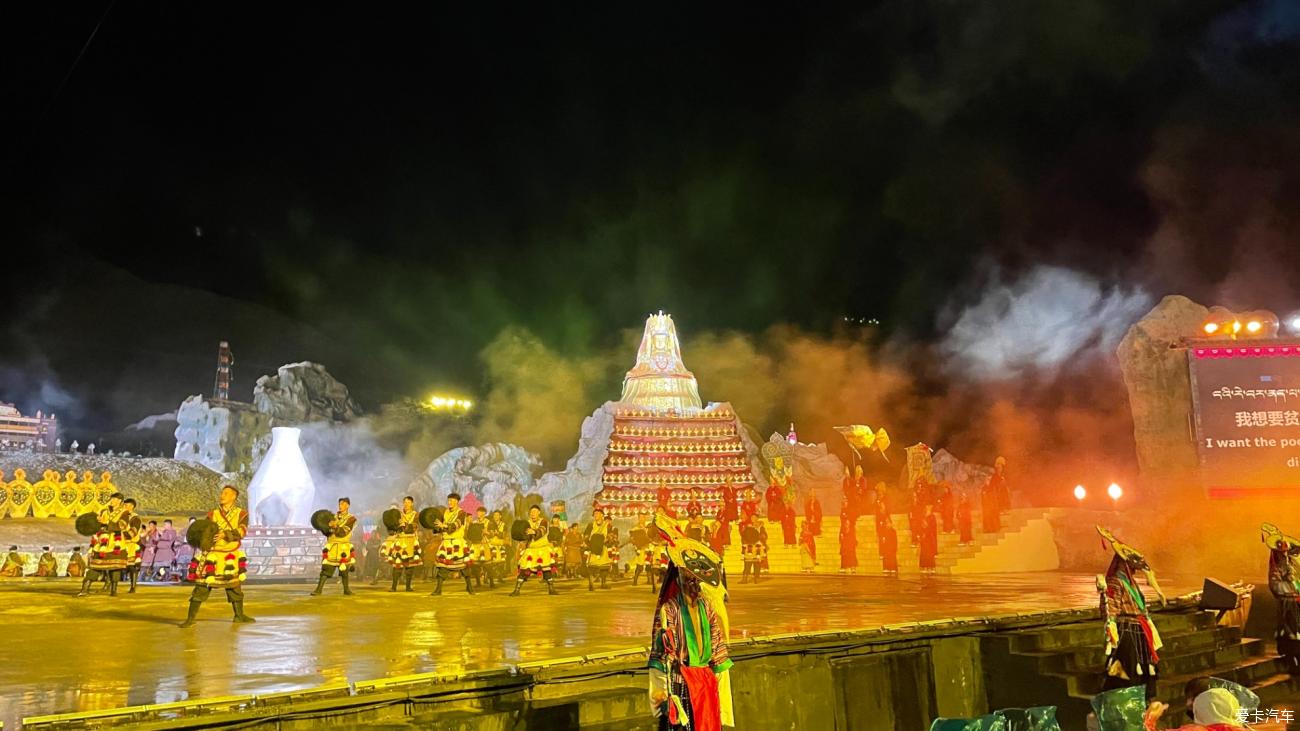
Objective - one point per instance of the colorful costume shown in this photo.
(108, 552)
(596, 552)
(338, 554)
(223, 566)
(402, 549)
(164, 551)
(807, 549)
(498, 540)
(690, 685)
(1284, 583)
(1132, 641)
(45, 495)
(13, 565)
(76, 563)
(753, 548)
(537, 558)
(453, 553)
(47, 565)
(131, 536)
(21, 496)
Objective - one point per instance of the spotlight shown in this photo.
(1254, 326)
(1080, 493)
(1211, 328)
(1115, 491)
(1293, 324)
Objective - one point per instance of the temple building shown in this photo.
(36, 433)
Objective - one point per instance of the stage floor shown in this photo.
(62, 654)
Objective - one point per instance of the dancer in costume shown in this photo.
(339, 553)
(498, 537)
(480, 548)
(695, 527)
(13, 565)
(539, 555)
(223, 565)
(807, 548)
(596, 543)
(76, 564)
(453, 552)
(403, 552)
(131, 543)
(848, 543)
(1132, 641)
(1284, 582)
(886, 538)
(753, 544)
(47, 565)
(639, 537)
(690, 684)
(573, 551)
(965, 531)
(928, 549)
(107, 552)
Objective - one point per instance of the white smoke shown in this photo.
(1040, 321)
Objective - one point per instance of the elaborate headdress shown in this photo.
(1277, 540)
(1129, 554)
(696, 560)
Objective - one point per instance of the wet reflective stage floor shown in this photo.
(61, 654)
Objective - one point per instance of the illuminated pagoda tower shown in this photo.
(663, 437)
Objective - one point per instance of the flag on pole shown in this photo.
(861, 436)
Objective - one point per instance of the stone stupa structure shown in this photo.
(658, 435)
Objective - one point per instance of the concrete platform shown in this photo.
(63, 654)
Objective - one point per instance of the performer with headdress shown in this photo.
(753, 543)
(131, 535)
(339, 553)
(1132, 641)
(47, 565)
(13, 565)
(539, 555)
(76, 563)
(219, 561)
(107, 551)
(453, 552)
(596, 540)
(690, 685)
(1284, 583)
(403, 551)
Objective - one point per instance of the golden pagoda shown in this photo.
(659, 381)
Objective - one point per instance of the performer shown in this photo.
(148, 548)
(47, 565)
(1000, 487)
(693, 507)
(812, 513)
(13, 566)
(849, 499)
(184, 551)
(596, 543)
(76, 563)
(338, 553)
(131, 542)
(719, 535)
(944, 499)
(21, 496)
(373, 558)
(695, 527)
(929, 547)
(404, 546)
(453, 552)
(480, 547)
(664, 500)
(886, 540)
(965, 531)
(775, 504)
(689, 666)
(807, 548)
(991, 503)
(539, 556)
(224, 566)
(612, 545)
(164, 554)
(658, 560)
(498, 537)
(574, 551)
(639, 537)
(107, 552)
(1284, 582)
(848, 544)
(729, 511)
(753, 546)
(1132, 641)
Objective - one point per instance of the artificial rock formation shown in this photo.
(1159, 386)
(304, 392)
(495, 473)
(218, 435)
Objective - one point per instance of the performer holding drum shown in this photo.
(640, 540)
(539, 556)
(338, 553)
(498, 538)
(453, 552)
(596, 552)
(402, 549)
(219, 561)
(479, 547)
(107, 552)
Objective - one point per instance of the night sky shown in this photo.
(385, 191)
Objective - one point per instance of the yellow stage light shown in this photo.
(1079, 492)
(1236, 326)
(1254, 326)
(1115, 491)
(1211, 328)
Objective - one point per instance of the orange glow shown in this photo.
(1211, 328)
(1254, 326)
(1236, 326)
(1079, 492)
(1115, 491)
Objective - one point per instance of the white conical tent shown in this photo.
(282, 492)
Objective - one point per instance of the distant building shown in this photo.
(37, 433)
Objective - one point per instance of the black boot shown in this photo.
(410, 574)
(603, 579)
(240, 617)
(590, 587)
(397, 576)
(550, 587)
(468, 589)
(320, 584)
(132, 574)
(519, 583)
(438, 589)
(343, 576)
(85, 584)
(112, 583)
(194, 613)
(636, 576)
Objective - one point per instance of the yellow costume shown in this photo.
(87, 493)
(225, 564)
(21, 495)
(5, 497)
(68, 495)
(45, 496)
(339, 551)
(105, 489)
(402, 549)
(540, 556)
(108, 550)
(453, 552)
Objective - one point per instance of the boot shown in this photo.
(240, 617)
(468, 589)
(603, 578)
(112, 583)
(320, 585)
(347, 591)
(85, 585)
(438, 590)
(518, 585)
(133, 574)
(194, 613)
(550, 587)
(410, 574)
(589, 586)
(397, 575)
(636, 576)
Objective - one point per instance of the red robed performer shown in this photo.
(664, 497)
(848, 544)
(812, 512)
(964, 527)
(929, 539)
(775, 502)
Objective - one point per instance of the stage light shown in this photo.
(1211, 328)
(1236, 326)
(450, 403)
(1079, 492)
(1254, 326)
(1115, 491)
(1293, 324)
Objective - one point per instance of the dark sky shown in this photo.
(384, 190)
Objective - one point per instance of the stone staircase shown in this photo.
(953, 558)
(1061, 665)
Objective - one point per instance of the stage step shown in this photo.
(783, 559)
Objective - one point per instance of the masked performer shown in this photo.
(107, 551)
(538, 557)
(1284, 582)
(453, 553)
(596, 544)
(404, 545)
(224, 565)
(1132, 642)
(689, 666)
(338, 553)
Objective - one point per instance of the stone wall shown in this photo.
(283, 552)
